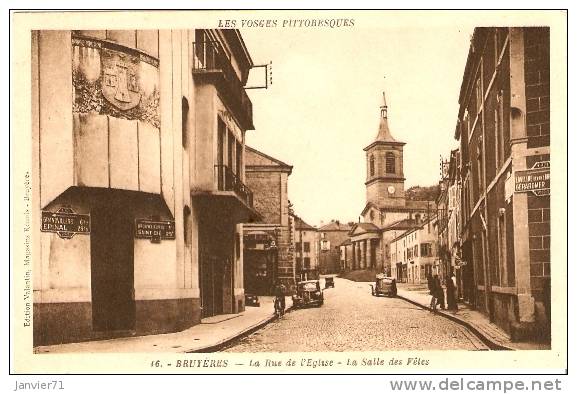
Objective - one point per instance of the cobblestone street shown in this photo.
(353, 320)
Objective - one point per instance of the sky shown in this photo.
(322, 108)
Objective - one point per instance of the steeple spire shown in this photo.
(384, 107)
(384, 134)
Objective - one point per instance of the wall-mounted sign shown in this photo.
(65, 222)
(155, 230)
(536, 179)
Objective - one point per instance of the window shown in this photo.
(186, 228)
(298, 247)
(426, 250)
(307, 246)
(416, 250)
(502, 247)
(499, 140)
(307, 262)
(220, 145)
(390, 162)
(372, 215)
(372, 165)
(479, 91)
(238, 159)
(184, 125)
(480, 180)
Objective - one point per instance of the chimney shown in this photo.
(337, 222)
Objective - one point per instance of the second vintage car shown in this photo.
(308, 293)
(384, 285)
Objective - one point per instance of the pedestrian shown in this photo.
(432, 292)
(439, 292)
(451, 300)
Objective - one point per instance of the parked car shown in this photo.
(384, 285)
(329, 282)
(251, 300)
(308, 293)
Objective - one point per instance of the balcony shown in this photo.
(212, 64)
(229, 181)
(228, 200)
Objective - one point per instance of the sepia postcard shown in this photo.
(261, 192)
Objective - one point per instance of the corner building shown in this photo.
(503, 129)
(138, 174)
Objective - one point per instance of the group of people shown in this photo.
(438, 294)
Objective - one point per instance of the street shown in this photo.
(353, 320)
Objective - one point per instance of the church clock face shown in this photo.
(391, 189)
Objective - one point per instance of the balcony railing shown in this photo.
(210, 60)
(229, 181)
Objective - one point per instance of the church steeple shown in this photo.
(385, 179)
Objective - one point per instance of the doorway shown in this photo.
(112, 267)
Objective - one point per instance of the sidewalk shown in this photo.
(492, 335)
(210, 335)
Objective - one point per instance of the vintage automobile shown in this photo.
(329, 282)
(384, 285)
(251, 300)
(308, 293)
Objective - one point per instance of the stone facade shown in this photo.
(273, 259)
(126, 131)
(504, 128)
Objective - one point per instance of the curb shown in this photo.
(230, 340)
(493, 345)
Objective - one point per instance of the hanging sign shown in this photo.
(65, 222)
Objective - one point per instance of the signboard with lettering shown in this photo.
(155, 230)
(65, 222)
(536, 179)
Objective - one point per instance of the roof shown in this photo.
(403, 224)
(384, 135)
(302, 225)
(410, 205)
(366, 227)
(257, 160)
(335, 226)
(346, 242)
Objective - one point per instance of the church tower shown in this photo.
(385, 181)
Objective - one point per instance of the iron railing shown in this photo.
(229, 181)
(211, 58)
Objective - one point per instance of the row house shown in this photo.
(307, 250)
(415, 253)
(331, 236)
(503, 178)
(268, 242)
(139, 182)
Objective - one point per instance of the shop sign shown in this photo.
(155, 230)
(536, 179)
(65, 222)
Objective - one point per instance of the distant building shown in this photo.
(306, 250)
(414, 252)
(503, 128)
(331, 236)
(268, 254)
(386, 201)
